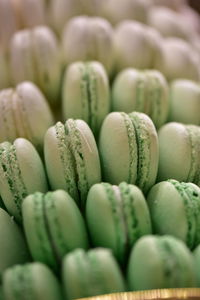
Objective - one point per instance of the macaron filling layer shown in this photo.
(89, 95)
(143, 146)
(191, 201)
(11, 172)
(194, 136)
(133, 148)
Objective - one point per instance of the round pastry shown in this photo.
(35, 57)
(86, 274)
(88, 38)
(143, 91)
(86, 93)
(128, 148)
(174, 208)
(160, 262)
(117, 216)
(179, 148)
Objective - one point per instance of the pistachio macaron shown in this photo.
(72, 159)
(53, 226)
(86, 93)
(128, 146)
(34, 281)
(143, 91)
(21, 173)
(174, 207)
(117, 216)
(86, 274)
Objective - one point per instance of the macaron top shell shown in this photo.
(117, 216)
(89, 274)
(31, 281)
(160, 262)
(13, 248)
(53, 226)
(85, 93)
(72, 159)
(21, 173)
(174, 208)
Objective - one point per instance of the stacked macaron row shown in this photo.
(99, 148)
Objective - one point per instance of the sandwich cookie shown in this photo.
(86, 274)
(72, 159)
(21, 173)
(128, 148)
(174, 208)
(34, 56)
(85, 93)
(13, 248)
(24, 112)
(117, 216)
(33, 281)
(179, 148)
(160, 262)
(53, 226)
(143, 91)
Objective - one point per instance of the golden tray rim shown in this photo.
(157, 294)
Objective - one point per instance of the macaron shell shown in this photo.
(167, 210)
(197, 263)
(118, 154)
(13, 249)
(33, 281)
(175, 152)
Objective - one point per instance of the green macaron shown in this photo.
(72, 159)
(21, 173)
(128, 148)
(179, 148)
(91, 273)
(144, 91)
(13, 248)
(185, 102)
(160, 262)
(53, 226)
(117, 216)
(85, 93)
(33, 281)
(196, 254)
(174, 208)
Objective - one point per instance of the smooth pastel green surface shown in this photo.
(88, 38)
(197, 263)
(53, 226)
(85, 93)
(34, 56)
(24, 113)
(21, 173)
(179, 148)
(160, 262)
(91, 273)
(117, 216)
(13, 249)
(128, 148)
(32, 281)
(143, 91)
(174, 208)
(72, 159)
(185, 102)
